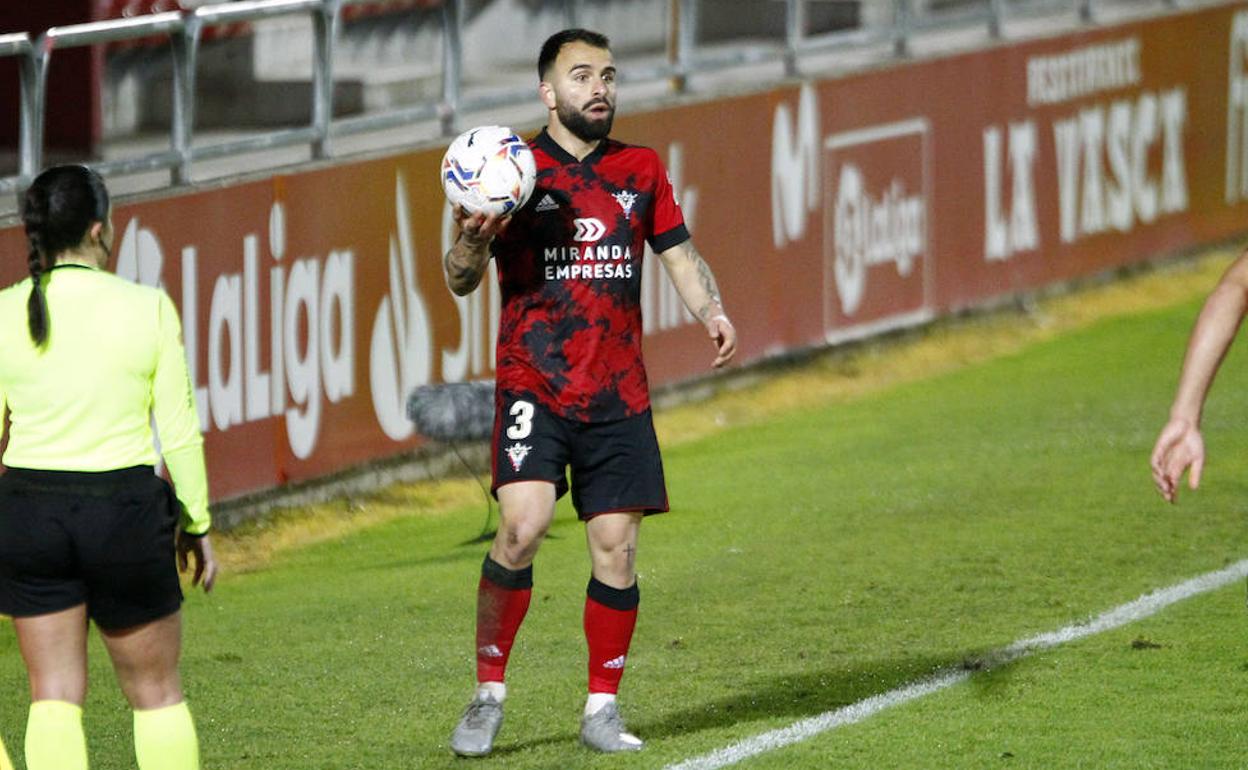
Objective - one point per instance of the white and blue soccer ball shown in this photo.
(488, 169)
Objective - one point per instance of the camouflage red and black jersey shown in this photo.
(569, 269)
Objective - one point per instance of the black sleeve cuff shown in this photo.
(674, 237)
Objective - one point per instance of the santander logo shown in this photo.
(402, 344)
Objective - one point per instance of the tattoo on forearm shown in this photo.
(461, 268)
(706, 279)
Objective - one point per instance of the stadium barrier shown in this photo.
(313, 302)
(182, 28)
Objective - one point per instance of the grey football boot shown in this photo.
(604, 731)
(474, 735)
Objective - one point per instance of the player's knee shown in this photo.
(153, 693)
(622, 548)
(519, 541)
(67, 689)
(618, 561)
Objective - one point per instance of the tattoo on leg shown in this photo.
(630, 555)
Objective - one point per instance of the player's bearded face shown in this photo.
(582, 85)
(589, 121)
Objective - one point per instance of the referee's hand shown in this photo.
(205, 563)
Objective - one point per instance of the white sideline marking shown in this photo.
(1146, 605)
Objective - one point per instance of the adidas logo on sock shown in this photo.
(490, 651)
(546, 204)
(615, 662)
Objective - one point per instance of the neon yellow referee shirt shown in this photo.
(114, 357)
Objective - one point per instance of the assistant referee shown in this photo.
(88, 531)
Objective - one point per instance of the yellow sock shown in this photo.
(164, 739)
(5, 762)
(54, 737)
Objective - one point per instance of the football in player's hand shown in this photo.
(488, 169)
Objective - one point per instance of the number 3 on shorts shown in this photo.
(523, 426)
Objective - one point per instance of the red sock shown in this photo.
(610, 616)
(502, 601)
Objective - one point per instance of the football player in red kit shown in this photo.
(571, 386)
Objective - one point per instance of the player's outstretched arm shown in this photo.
(465, 262)
(1180, 445)
(696, 285)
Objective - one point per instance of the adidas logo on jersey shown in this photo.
(615, 663)
(546, 204)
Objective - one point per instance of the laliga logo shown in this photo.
(873, 231)
(402, 344)
(138, 257)
(308, 304)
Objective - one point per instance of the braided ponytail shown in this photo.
(58, 209)
(35, 216)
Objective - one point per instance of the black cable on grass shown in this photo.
(487, 534)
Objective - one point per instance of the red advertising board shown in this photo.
(314, 302)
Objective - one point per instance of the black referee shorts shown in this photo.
(615, 466)
(104, 539)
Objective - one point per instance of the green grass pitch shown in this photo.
(810, 561)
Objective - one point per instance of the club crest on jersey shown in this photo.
(626, 199)
(516, 453)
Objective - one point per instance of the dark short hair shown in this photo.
(555, 43)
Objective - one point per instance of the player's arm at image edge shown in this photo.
(694, 281)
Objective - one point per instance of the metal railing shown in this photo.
(30, 114)
(184, 29)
